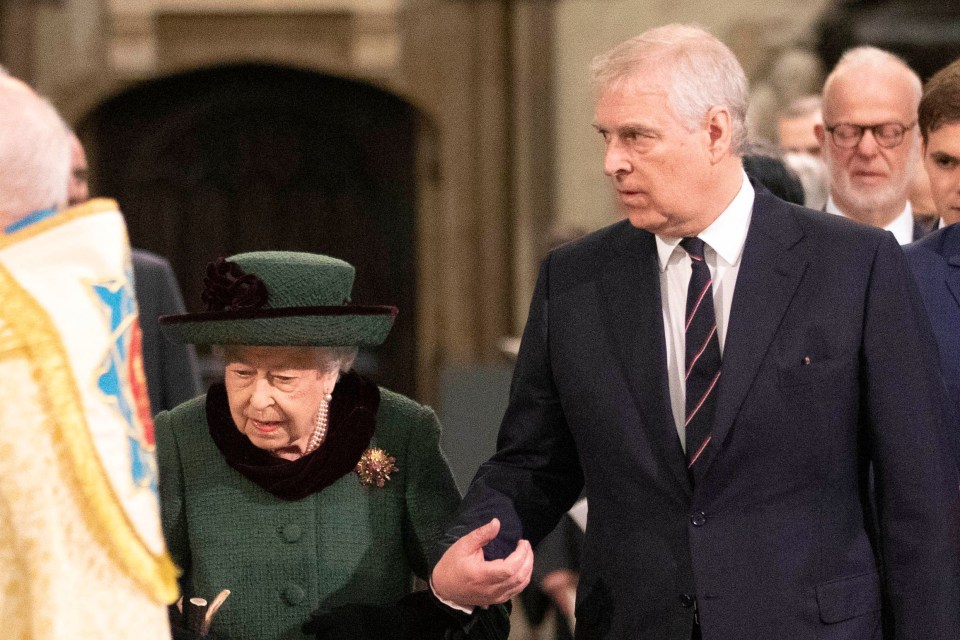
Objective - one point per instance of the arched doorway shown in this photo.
(249, 157)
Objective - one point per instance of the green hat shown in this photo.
(281, 298)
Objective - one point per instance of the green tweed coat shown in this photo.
(348, 543)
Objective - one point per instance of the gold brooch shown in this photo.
(375, 467)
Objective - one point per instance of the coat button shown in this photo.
(698, 519)
(687, 600)
(291, 532)
(294, 594)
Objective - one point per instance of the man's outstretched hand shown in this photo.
(465, 578)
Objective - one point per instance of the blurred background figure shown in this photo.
(795, 72)
(763, 162)
(81, 549)
(921, 198)
(796, 123)
(801, 148)
(172, 372)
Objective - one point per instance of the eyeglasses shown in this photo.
(887, 134)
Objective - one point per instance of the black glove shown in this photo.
(416, 616)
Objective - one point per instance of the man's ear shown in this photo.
(820, 132)
(720, 132)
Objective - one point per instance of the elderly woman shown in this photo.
(296, 483)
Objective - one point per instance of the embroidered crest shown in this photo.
(122, 381)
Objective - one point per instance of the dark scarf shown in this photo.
(353, 414)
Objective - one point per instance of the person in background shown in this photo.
(801, 148)
(921, 199)
(935, 259)
(81, 548)
(764, 163)
(717, 371)
(796, 123)
(173, 375)
(297, 483)
(870, 140)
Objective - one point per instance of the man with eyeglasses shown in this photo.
(870, 141)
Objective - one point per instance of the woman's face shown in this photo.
(274, 395)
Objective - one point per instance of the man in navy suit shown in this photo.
(936, 259)
(735, 509)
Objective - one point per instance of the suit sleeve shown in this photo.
(535, 476)
(916, 482)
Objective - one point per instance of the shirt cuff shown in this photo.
(452, 605)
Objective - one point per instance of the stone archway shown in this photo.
(248, 157)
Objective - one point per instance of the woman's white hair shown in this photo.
(34, 152)
(339, 358)
(326, 359)
(698, 70)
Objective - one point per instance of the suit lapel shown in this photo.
(632, 314)
(771, 268)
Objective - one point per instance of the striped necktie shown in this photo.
(702, 356)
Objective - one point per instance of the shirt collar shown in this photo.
(726, 235)
(901, 226)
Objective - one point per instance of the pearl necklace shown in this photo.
(320, 425)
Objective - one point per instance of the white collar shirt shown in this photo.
(724, 240)
(901, 227)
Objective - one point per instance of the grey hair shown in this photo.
(333, 358)
(873, 57)
(34, 152)
(701, 73)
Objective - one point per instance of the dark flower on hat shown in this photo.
(375, 467)
(227, 287)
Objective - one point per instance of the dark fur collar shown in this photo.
(353, 413)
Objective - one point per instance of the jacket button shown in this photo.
(687, 600)
(294, 594)
(698, 519)
(291, 532)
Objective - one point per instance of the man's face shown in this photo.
(77, 189)
(869, 177)
(796, 134)
(941, 157)
(656, 164)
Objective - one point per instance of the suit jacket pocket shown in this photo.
(850, 597)
(816, 372)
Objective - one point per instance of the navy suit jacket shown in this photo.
(172, 373)
(935, 261)
(772, 542)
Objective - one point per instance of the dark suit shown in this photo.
(935, 261)
(171, 369)
(772, 542)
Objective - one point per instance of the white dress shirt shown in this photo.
(901, 227)
(724, 240)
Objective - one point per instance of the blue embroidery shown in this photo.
(118, 303)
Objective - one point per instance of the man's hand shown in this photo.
(465, 578)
